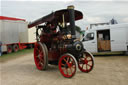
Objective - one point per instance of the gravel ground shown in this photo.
(112, 70)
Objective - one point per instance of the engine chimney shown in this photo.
(72, 20)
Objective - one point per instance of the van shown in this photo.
(108, 38)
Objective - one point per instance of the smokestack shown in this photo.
(72, 20)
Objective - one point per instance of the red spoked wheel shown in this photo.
(40, 57)
(67, 65)
(86, 63)
(15, 48)
(9, 49)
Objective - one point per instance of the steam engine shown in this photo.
(57, 43)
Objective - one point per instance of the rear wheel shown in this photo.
(46, 51)
(15, 48)
(67, 65)
(9, 49)
(30, 46)
(86, 63)
(40, 57)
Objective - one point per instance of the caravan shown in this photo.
(108, 38)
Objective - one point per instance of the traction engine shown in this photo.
(57, 43)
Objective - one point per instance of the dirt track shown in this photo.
(22, 71)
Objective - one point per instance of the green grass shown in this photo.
(5, 57)
(108, 53)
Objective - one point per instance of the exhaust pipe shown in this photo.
(72, 20)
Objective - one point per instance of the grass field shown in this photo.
(108, 53)
(5, 57)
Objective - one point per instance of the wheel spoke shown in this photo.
(39, 63)
(42, 63)
(89, 60)
(67, 65)
(73, 66)
(85, 58)
(82, 66)
(37, 59)
(86, 67)
(67, 59)
(81, 61)
(41, 53)
(42, 60)
(67, 71)
(71, 70)
(62, 64)
(88, 64)
(37, 49)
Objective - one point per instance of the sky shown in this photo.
(94, 11)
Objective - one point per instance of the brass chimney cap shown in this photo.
(70, 7)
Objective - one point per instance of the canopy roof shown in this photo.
(56, 17)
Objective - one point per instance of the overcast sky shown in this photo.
(94, 10)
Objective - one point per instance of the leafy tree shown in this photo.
(78, 29)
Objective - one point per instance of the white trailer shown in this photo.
(28, 37)
(14, 34)
(108, 38)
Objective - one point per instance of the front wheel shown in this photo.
(86, 62)
(67, 65)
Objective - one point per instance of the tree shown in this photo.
(78, 29)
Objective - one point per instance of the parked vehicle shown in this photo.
(61, 47)
(108, 38)
(14, 34)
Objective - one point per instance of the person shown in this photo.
(0, 48)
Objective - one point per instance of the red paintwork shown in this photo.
(86, 64)
(67, 68)
(9, 50)
(55, 44)
(22, 46)
(53, 55)
(48, 39)
(38, 51)
(16, 49)
(10, 18)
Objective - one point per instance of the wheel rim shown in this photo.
(9, 49)
(67, 66)
(16, 48)
(86, 63)
(39, 56)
